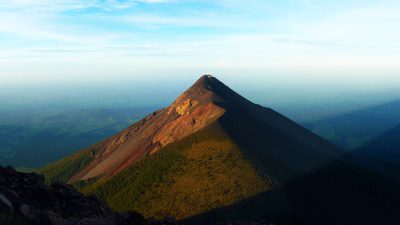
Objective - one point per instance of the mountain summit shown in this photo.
(210, 148)
(209, 89)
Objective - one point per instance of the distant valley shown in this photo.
(31, 137)
(355, 129)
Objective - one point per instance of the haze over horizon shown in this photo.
(47, 42)
(193, 112)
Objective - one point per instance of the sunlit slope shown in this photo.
(204, 171)
(64, 169)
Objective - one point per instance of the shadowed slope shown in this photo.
(278, 146)
(384, 151)
(386, 147)
(337, 194)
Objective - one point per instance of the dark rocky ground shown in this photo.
(26, 200)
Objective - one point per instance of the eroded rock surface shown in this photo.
(190, 112)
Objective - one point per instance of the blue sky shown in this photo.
(49, 41)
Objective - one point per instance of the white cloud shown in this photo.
(355, 39)
(66, 5)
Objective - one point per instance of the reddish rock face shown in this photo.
(196, 108)
(261, 131)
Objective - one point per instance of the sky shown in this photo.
(47, 41)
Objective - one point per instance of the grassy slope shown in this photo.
(194, 175)
(65, 168)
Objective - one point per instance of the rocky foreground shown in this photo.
(26, 200)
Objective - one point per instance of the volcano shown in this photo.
(211, 149)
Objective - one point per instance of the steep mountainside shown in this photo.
(208, 149)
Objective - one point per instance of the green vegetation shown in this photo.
(199, 173)
(64, 169)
